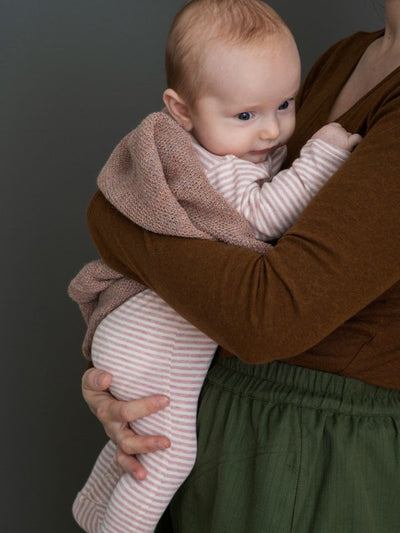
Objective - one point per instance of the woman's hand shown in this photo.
(115, 416)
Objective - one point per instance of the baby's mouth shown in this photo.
(262, 152)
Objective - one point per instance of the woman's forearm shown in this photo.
(342, 253)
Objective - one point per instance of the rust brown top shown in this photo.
(327, 296)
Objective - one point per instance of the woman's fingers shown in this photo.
(96, 380)
(130, 465)
(95, 385)
(115, 416)
(119, 411)
(131, 444)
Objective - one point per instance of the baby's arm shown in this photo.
(273, 206)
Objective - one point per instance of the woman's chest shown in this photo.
(357, 86)
(372, 69)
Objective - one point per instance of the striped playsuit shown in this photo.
(150, 349)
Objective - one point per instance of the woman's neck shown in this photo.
(391, 39)
(380, 59)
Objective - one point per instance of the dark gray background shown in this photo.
(76, 76)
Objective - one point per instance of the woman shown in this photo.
(310, 441)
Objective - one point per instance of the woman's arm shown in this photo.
(341, 254)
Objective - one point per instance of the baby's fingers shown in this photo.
(354, 140)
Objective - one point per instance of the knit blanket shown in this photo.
(155, 179)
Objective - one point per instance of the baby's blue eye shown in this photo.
(246, 115)
(285, 105)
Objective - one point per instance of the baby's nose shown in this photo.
(269, 130)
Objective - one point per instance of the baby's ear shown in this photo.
(178, 109)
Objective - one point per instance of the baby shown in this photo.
(233, 73)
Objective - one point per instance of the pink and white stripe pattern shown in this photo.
(272, 205)
(150, 349)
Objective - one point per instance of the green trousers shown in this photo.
(286, 449)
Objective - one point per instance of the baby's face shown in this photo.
(249, 107)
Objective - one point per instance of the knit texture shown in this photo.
(155, 179)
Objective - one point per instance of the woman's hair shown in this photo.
(200, 23)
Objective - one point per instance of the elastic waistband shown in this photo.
(281, 382)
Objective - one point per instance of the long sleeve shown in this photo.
(273, 206)
(271, 199)
(341, 255)
(327, 295)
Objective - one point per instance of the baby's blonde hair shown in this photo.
(201, 22)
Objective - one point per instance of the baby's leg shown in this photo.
(138, 506)
(91, 502)
(150, 349)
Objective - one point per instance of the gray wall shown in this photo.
(75, 77)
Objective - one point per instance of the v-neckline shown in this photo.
(341, 83)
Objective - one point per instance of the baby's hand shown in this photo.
(336, 135)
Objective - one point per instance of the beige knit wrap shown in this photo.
(154, 178)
